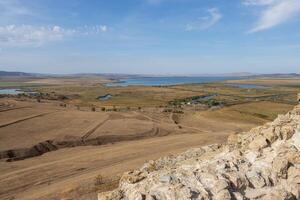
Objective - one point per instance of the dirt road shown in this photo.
(58, 174)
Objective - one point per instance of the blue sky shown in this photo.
(150, 36)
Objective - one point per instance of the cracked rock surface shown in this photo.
(263, 163)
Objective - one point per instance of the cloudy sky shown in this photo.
(150, 36)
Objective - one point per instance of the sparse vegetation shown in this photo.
(179, 124)
(99, 180)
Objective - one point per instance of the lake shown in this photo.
(10, 91)
(105, 97)
(14, 91)
(165, 81)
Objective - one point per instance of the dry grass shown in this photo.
(270, 81)
(81, 172)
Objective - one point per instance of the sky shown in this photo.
(150, 36)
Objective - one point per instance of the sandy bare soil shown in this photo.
(269, 81)
(110, 143)
(70, 80)
(60, 173)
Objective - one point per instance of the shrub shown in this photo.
(63, 105)
(213, 102)
(99, 180)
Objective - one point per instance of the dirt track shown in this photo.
(125, 140)
(24, 119)
(54, 172)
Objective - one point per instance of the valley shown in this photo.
(62, 142)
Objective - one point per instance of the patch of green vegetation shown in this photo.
(17, 85)
(212, 102)
(204, 99)
(142, 96)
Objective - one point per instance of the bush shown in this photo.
(93, 109)
(213, 102)
(178, 111)
(103, 109)
(63, 105)
(99, 180)
(167, 110)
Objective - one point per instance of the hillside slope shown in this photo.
(263, 163)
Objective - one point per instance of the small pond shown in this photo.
(105, 97)
(15, 92)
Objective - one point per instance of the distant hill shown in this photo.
(5, 73)
(278, 75)
(118, 75)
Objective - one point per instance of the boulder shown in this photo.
(258, 143)
(255, 179)
(280, 166)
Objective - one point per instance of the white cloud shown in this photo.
(26, 35)
(205, 22)
(258, 2)
(275, 12)
(12, 7)
(23, 35)
(102, 28)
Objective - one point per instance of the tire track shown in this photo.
(26, 118)
(183, 126)
(4, 110)
(92, 130)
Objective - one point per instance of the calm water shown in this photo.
(105, 97)
(10, 91)
(14, 91)
(162, 81)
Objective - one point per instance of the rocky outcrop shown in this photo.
(263, 163)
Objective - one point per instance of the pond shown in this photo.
(15, 92)
(105, 97)
(10, 91)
